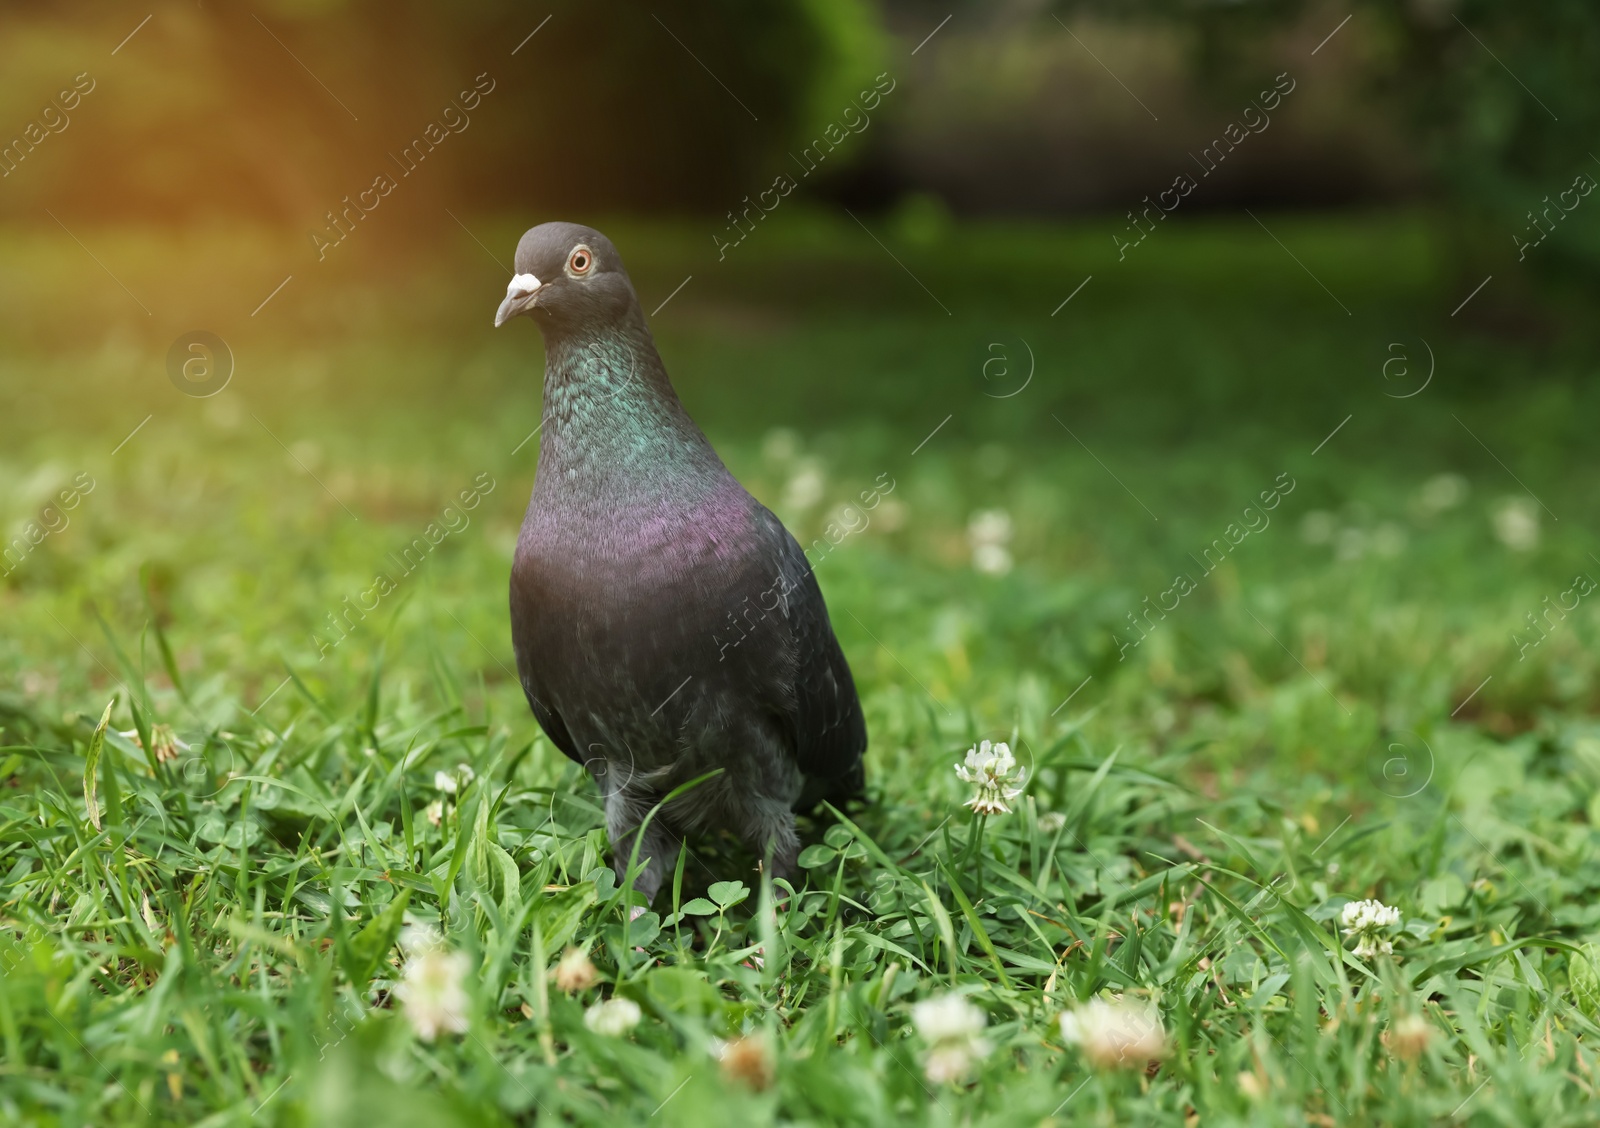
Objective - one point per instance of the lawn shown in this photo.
(1271, 623)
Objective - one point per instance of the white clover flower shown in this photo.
(1516, 524)
(988, 533)
(574, 972)
(163, 742)
(419, 936)
(1318, 527)
(1367, 920)
(432, 993)
(1350, 543)
(451, 782)
(614, 1017)
(748, 1060)
(1051, 821)
(1359, 916)
(950, 1064)
(992, 559)
(1114, 1035)
(780, 444)
(953, 1029)
(1389, 539)
(1409, 1037)
(891, 515)
(947, 1018)
(994, 771)
(1442, 492)
(1369, 946)
(990, 526)
(435, 812)
(805, 486)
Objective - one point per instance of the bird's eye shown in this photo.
(580, 261)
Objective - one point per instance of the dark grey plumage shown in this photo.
(665, 622)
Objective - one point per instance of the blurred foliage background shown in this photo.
(277, 111)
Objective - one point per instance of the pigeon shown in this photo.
(666, 624)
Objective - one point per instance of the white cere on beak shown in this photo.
(521, 288)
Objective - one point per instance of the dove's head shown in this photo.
(568, 275)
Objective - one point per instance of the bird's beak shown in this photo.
(521, 295)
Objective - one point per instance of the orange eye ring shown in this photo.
(581, 261)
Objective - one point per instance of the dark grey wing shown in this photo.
(830, 734)
(543, 712)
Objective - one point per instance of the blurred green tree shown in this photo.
(1504, 100)
(1499, 97)
(281, 109)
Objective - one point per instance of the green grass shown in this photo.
(219, 947)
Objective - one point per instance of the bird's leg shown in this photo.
(772, 834)
(658, 847)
